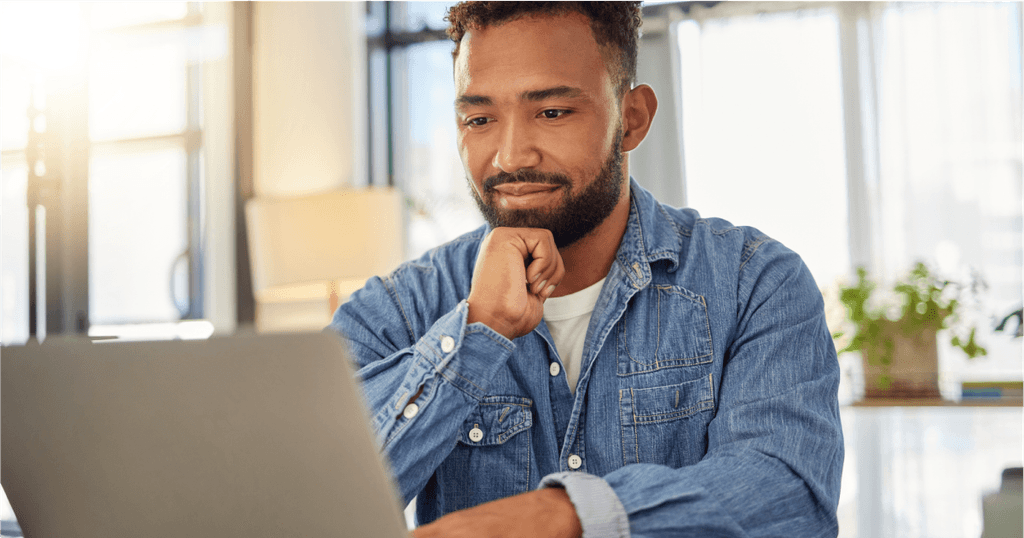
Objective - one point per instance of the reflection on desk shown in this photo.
(920, 468)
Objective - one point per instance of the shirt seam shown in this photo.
(393, 292)
(752, 248)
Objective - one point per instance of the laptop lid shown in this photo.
(250, 435)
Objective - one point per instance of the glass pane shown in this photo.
(139, 90)
(14, 101)
(137, 228)
(14, 252)
(47, 37)
(427, 163)
(950, 133)
(763, 128)
(105, 15)
(420, 15)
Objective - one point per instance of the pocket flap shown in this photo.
(497, 418)
(659, 404)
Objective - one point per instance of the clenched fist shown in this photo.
(508, 295)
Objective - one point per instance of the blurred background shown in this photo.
(155, 156)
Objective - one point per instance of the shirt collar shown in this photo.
(651, 235)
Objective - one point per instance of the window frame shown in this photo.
(58, 301)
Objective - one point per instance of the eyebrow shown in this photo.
(557, 91)
(530, 95)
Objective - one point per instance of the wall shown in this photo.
(309, 120)
(309, 64)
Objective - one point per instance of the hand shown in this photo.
(506, 295)
(543, 513)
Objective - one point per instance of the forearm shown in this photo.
(740, 490)
(419, 395)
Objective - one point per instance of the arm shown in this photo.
(422, 376)
(443, 372)
(775, 446)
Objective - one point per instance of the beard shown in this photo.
(578, 213)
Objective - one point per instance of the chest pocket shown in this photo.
(491, 458)
(666, 425)
(664, 327)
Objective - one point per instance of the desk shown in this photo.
(919, 468)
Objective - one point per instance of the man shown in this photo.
(652, 372)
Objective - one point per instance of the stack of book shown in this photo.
(992, 390)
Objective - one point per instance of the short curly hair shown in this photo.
(616, 27)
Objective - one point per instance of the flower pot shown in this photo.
(913, 368)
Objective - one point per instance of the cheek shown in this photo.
(470, 157)
(584, 152)
(476, 149)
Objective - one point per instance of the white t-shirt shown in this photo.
(567, 319)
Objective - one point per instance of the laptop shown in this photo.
(248, 435)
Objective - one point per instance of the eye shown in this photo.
(479, 121)
(554, 113)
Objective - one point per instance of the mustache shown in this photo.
(525, 176)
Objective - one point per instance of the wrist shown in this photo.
(475, 314)
(562, 514)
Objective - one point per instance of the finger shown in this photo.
(545, 278)
(534, 271)
(545, 272)
(539, 243)
(541, 248)
(556, 278)
(537, 275)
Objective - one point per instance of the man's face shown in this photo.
(539, 132)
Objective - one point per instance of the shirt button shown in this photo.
(476, 434)
(411, 410)
(575, 462)
(554, 369)
(447, 344)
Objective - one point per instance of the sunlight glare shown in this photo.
(44, 36)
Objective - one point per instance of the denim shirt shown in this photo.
(706, 401)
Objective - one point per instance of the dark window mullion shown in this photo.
(193, 170)
(384, 75)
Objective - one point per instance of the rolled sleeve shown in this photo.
(598, 507)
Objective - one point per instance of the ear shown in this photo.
(638, 108)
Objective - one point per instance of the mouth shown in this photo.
(521, 189)
(524, 195)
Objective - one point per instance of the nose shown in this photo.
(517, 148)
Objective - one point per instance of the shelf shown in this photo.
(937, 402)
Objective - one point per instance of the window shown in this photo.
(117, 93)
(762, 123)
(949, 138)
(876, 134)
(413, 122)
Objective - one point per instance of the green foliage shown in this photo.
(928, 304)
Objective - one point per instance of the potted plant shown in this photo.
(895, 330)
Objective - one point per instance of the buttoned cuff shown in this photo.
(598, 507)
(467, 356)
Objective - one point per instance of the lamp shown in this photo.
(309, 248)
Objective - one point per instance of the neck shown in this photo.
(588, 260)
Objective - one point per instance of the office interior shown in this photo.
(145, 144)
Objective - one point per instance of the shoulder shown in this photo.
(415, 294)
(431, 285)
(718, 240)
(448, 261)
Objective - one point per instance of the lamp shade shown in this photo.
(342, 236)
